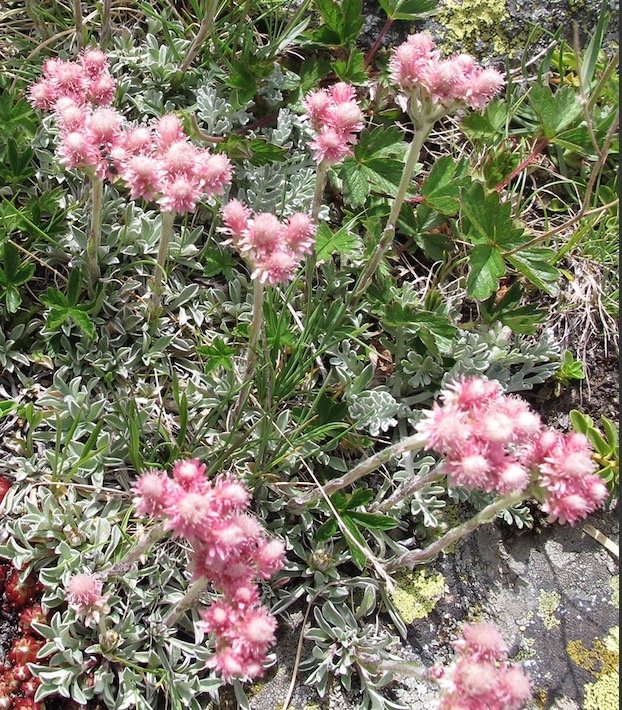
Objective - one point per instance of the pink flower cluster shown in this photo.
(84, 595)
(336, 118)
(416, 66)
(491, 441)
(157, 162)
(87, 81)
(230, 549)
(275, 248)
(481, 677)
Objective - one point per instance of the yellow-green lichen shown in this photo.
(547, 606)
(417, 593)
(601, 659)
(604, 694)
(470, 21)
(526, 651)
(614, 583)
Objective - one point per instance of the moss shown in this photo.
(470, 22)
(547, 606)
(604, 694)
(417, 593)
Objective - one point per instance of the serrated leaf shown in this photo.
(486, 267)
(355, 184)
(441, 189)
(534, 264)
(556, 111)
(353, 70)
(328, 243)
(489, 220)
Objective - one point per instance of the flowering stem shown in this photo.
(146, 541)
(411, 443)
(166, 232)
(409, 489)
(253, 341)
(95, 236)
(414, 152)
(201, 36)
(77, 13)
(487, 515)
(318, 195)
(189, 599)
(376, 45)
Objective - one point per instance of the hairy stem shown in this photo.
(190, 598)
(378, 41)
(77, 13)
(487, 515)
(95, 235)
(374, 462)
(204, 30)
(318, 195)
(253, 341)
(156, 533)
(166, 232)
(408, 489)
(389, 231)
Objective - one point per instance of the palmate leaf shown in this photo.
(441, 189)
(556, 111)
(342, 241)
(486, 268)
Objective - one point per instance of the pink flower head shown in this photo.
(69, 79)
(483, 87)
(151, 494)
(219, 618)
(190, 475)
(105, 125)
(144, 176)
(471, 468)
(236, 217)
(471, 393)
(258, 631)
(76, 149)
(512, 478)
(71, 116)
(180, 158)
(514, 688)
(101, 90)
(42, 94)
(168, 129)
(84, 595)
(300, 233)
(330, 146)
(346, 118)
(482, 641)
(264, 234)
(138, 140)
(231, 495)
(94, 62)
(214, 171)
(444, 427)
(275, 268)
(180, 195)
(342, 93)
(270, 558)
(336, 118)
(190, 514)
(317, 105)
(411, 59)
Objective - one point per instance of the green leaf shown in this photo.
(263, 153)
(521, 319)
(380, 142)
(590, 57)
(355, 185)
(341, 242)
(383, 174)
(326, 530)
(361, 496)
(73, 287)
(441, 189)
(353, 70)
(490, 221)
(218, 261)
(580, 422)
(218, 354)
(83, 320)
(357, 555)
(54, 299)
(556, 111)
(375, 521)
(353, 19)
(486, 268)
(534, 264)
(408, 10)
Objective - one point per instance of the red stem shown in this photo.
(376, 45)
(537, 149)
